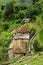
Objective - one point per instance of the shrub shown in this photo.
(17, 8)
(9, 11)
(34, 1)
(21, 14)
(23, 7)
(18, 21)
(2, 7)
(42, 18)
(5, 39)
(5, 26)
(36, 45)
(22, 22)
(33, 10)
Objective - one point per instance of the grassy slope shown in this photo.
(38, 26)
(32, 61)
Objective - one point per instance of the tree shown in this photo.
(34, 1)
(23, 7)
(21, 14)
(17, 8)
(9, 11)
(33, 10)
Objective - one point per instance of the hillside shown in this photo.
(11, 19)
(33, 61)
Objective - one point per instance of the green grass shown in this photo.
(41, 35)
(32, 61)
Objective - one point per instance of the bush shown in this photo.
(36, 45)
(42, 18)
(5, 39)
(21, 14)
(22, 22)
(33, 10)
(33, 31)
(9, 11)
(41, 36)
(2, 7)
(16, 8)
(34, 1)
(23, 7)
(18, 21)
(5, 26)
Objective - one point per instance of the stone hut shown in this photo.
(20, 42)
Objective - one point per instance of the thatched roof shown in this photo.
(23, 29)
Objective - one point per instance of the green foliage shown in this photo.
(21, 14)
(33, 31)
(16, 8)
(36, 45)
(34, 1)
(2, 7)
(5, 26)
(4, 2)
(33, 10)
(19, 7)
(23, 7)
(41, 35)
(38, 60)
(42, 18)
(22, 22)
(5, 39)
(9, 11)
(14, 13)
(0, 14)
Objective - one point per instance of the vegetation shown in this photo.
(41, 35)
(33, 61)
(36, 45)
(11, 18)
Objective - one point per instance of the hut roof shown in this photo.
(23, 29)
(22, 36)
